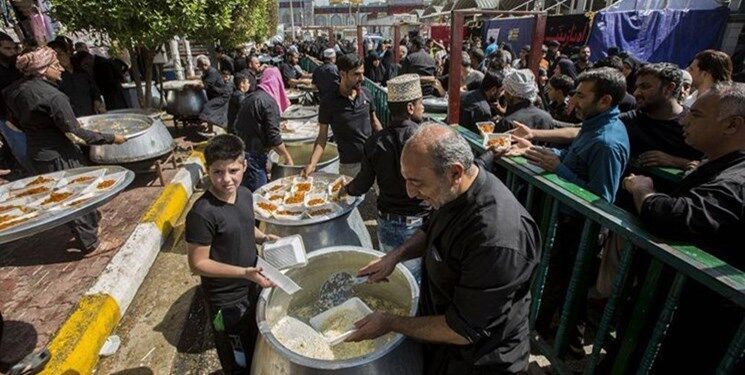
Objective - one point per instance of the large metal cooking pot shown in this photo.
(130, 95)
(184, 99)
(300, 153)
(155, 142)
(399, 355)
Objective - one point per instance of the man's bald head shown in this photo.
(442, 146)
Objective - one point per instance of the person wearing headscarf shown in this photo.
(215, 111)
(376, 73)
(258, 125)
(567, 68)
(630, 66)
(521, 91)
(44, 114)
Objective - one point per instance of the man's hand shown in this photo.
(254, 274)
(638, 184)
(119, 139)
(661, 159)
(4, 172)
(521, 130)
(543, 158)
(308, 170)
(268, 238)
(371, 327)
(378, 270)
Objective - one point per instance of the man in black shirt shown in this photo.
(521, 91)
(224, 62)
(479, 247)
(583, 62)
(418, 61)
(14, 142)
(326, 76)
(705, 209)
(399, 216)
(242, 86)
(291, 74)
(475, 105)
(351, 114)
(222, 238)
(559, 90)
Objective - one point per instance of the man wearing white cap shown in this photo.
(326, 76)
(521, 91)
(399, 216)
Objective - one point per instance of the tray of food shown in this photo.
(299, 129)
(126, 124)
(297, 111)
(498, 141)
(485, 127)
(302, 201)
(42, 202)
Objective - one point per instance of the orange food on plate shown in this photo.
(296, 198)
(303, 186)
(499, 142)
(316, 202)
(276, 197)
(320, 212)
(78, 202)
(105, 184)
(276, 187)
(267, 206)
(33, 191)
(57, 197)
(82, 179)
(10, 223)
(8, 208)
(289, 213)
(4, 218)
(39, 180)
(486, 128)
(337, 186)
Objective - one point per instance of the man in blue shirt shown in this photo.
(595, 160)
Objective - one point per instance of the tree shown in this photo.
(142, 26)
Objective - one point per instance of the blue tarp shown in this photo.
(516, 32)
(663, 4)
(658, 35)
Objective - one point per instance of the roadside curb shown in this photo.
(76, 344)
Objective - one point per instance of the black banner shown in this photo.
(570, 30)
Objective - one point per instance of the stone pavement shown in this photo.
(42, 277)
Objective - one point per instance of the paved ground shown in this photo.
(42, 277)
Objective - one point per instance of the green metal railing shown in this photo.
(688, 263)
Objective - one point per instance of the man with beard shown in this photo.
(351, 114)
(399, 216)
(583, 62)
(521, 91)
(475, 105)
(707, 69)
(326, 76)
(479, 249)
(291, 76)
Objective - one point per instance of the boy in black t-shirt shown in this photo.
(222, 239)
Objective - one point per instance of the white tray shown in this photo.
(287, 252)
(354, 304)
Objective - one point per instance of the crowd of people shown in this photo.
(441, 210)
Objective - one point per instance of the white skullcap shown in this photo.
(686, 77)
(329, 53)
(521, 84)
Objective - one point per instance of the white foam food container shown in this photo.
(335, 187)
(354, 306)
(34, 192)
(302, 186)
(78, 200)
(297, 179)
(16, 217)
(58, 196)
(322, 211)
(276, 196)
(290, 213)
(82, 179)
(275, 187)
(287, 252)
(17, 204)
(504, 138)
(46, 179)
(98, 188)
(483, 126)
(316, 200)
(277, 277)
(294, 205)
(264, 207)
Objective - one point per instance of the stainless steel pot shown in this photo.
(183, 99)
(155, 142)
(300, 153)
(399, 355)
(130, 90)
(347, 229)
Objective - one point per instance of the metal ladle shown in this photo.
(337, 289)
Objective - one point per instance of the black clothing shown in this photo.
(526, 113)
(240, 63)
(579, 67)
(8, 74)
(351, 122)
(559, 112)
(326, 78)
(376, 74)
(628, 103)
(646, 134)
(234, 105)
(706, 209)
(389, 65)
(421, 63)
(82, 92)
(215, 111)
(228, 229)
(567, 68)
(225, 62)
(108, 80)
(253, 79)
(257, 122)
(473, 108)
(382, 162)
(481, 251)
(288, 72)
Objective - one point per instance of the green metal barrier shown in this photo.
(380, 98)
(689, 264)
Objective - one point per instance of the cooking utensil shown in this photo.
(353, 306)
(338, 288)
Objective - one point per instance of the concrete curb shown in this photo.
(75, 346)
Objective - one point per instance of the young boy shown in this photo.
(222, 238)
(242, 86)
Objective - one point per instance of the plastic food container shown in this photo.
(502, 141)
(485, 127)
(287, 252)
(264, 207)
(345, 314)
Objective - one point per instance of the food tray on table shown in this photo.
(294, 201)
(38, 203)
(128, 125)
(297, 111)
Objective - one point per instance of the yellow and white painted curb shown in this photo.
(75, 347)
